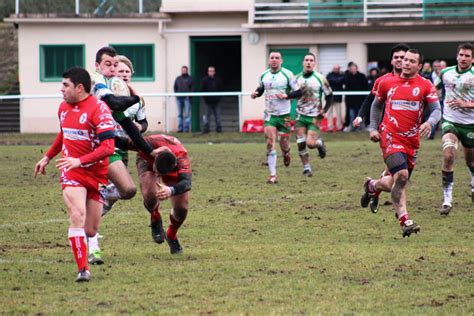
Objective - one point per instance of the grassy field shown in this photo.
(303, 246)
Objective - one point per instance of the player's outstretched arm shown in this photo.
(364, 110)
(55, 149)
(120, 102)
(134, 134)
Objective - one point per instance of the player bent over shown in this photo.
(399, 133)
(173, 168)
(277, 82)
(458, 120)
(86, 140)
(310, 111)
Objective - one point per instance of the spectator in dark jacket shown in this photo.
(354, 81)
(336, 81)
(183, 83)
(211, 84)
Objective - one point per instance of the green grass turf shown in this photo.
(303, 246)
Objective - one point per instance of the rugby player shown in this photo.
(458, 119)
(279, 86)
(399, 133)
(397, 53)
(310, 111)
(86, 139)
(167, 176)
(118, 173)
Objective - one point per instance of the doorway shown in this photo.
(224, 53)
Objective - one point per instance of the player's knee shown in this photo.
(301, 143)
(150, 200)
(128, 192)
(91, 231)
(77, 215)
(401, 177)
(180, 213)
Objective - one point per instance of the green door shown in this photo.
(293, 61)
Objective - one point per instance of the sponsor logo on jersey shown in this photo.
(83, 118)
(405, 105)
(76, 134)
(416, 91)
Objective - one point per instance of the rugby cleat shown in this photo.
(95, 257)
(321, 149)
(272, 180)
(83, 276)
(445, 209)
(157, 231)
(175, 247)
(374, 203)
(307, 173)
(367, 196)
(286, 158)
(410, 227)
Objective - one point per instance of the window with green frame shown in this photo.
(142, 57)
(55, 59)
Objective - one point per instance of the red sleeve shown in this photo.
(381, 90)
(106, 148)
(56, 147)
(431, 94)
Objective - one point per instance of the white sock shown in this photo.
(307, 167)
(93, 243)
(448, 194)
(272, 162)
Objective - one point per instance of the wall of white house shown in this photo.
(172, 50)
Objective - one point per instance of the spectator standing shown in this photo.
(336, 81)
(354, 81)
(183, 84)
(374, 73)
(426, 71)
(211, 84)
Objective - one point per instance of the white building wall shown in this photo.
(172, 50)
(41, 115)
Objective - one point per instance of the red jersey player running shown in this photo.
(173, 168)
(399, 133)
(86, 140)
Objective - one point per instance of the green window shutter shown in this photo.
(55, 59)
(142, 57)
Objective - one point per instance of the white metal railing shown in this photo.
(77, 6)
(167, 97)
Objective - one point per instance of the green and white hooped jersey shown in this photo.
(277, 83)
(313, 86)
(99, 85)
(457, 85)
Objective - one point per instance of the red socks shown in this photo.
(173, 228)
(403, 218)
(155, 214)
(77, 240)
